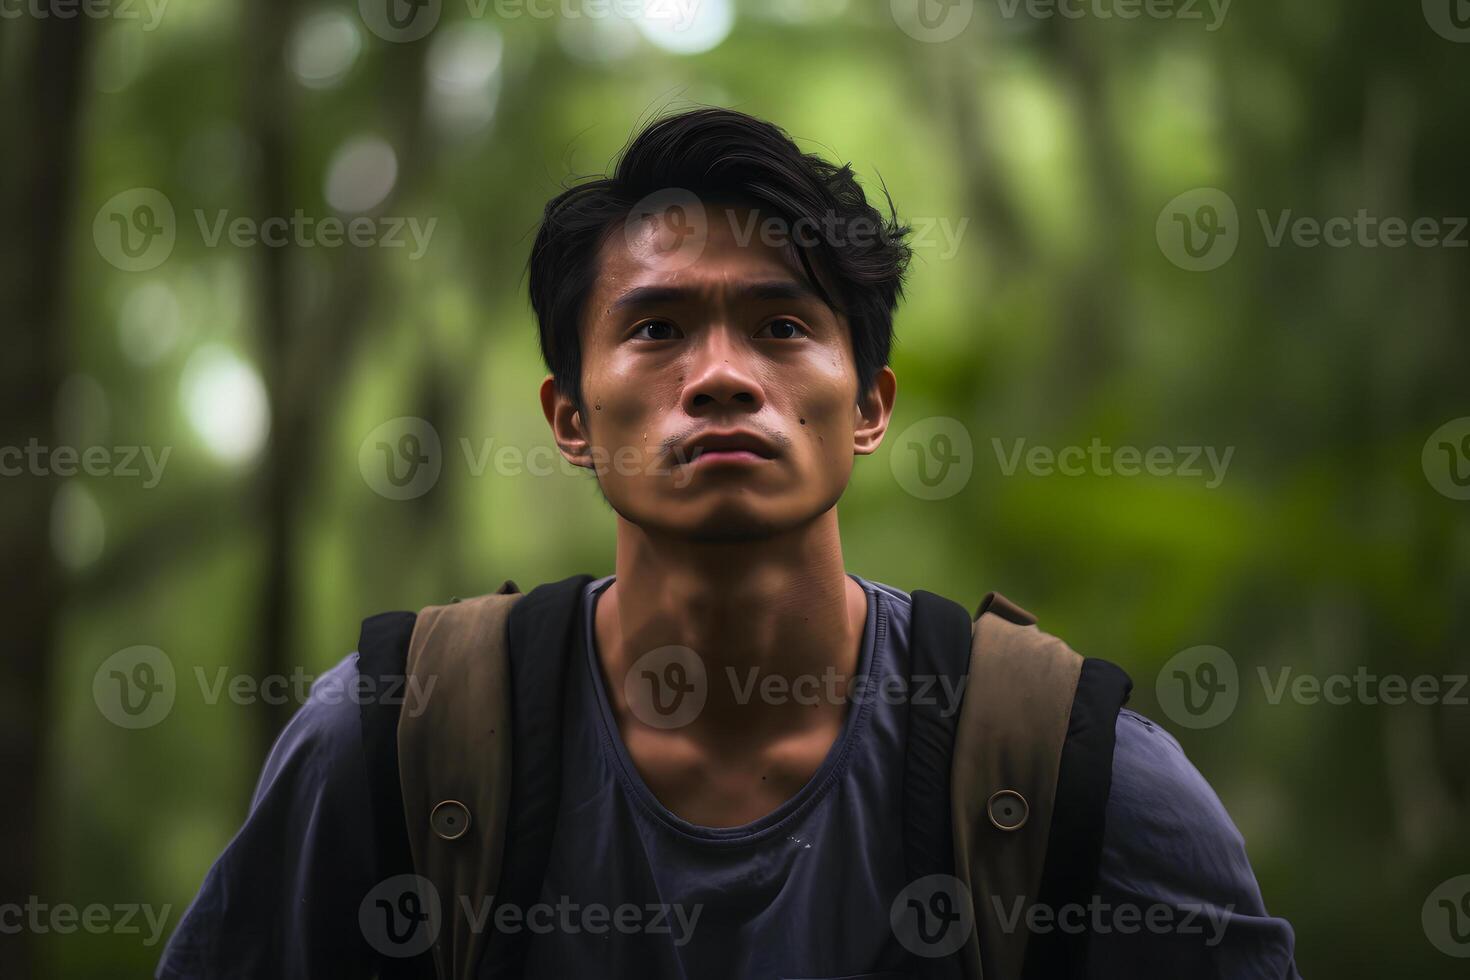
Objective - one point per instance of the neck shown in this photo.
(784, 605)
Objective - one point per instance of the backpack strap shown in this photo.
(1075, 843)
(1032, 765)
(939, 647)
(543, 630)
(1008, 793)
(455, 763)
(465, 788)
(382, 657)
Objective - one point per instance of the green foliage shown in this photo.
(1057, 320)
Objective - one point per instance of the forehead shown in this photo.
(714, 251)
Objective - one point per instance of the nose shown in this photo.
(720, 375)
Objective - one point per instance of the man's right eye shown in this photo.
(662, 330)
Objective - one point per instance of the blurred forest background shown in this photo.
(1061, 315)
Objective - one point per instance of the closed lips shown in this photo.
(726, 442)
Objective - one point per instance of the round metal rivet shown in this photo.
(449, 820)
(1008, 810)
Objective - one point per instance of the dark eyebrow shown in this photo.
(774, 289)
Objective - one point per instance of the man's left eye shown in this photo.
(780, 327)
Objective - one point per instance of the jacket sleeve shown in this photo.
(1176, 895)
(282, 900)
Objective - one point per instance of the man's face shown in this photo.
(678, 343)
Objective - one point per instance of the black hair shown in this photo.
(722, 155)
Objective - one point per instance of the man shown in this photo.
(717, 317)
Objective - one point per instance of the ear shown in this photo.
(566, 424)
(873, 410)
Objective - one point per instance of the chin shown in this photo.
(734, 518)
(732, 528)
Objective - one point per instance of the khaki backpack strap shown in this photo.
(1008, 747)
(455, 763)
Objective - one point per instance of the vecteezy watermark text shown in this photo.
(1200, 230)
(669, 686)
(34, 459)
(570, 917)
(404, 457)
(412, 692)
(91, 9)
(934, 915)
(1212, 12)
(39, 917)
(306, 231)
(403, 21)
(832, 687)
(1098, 459)
(136, 687)
(937, 21)
(1101, 917)
(1200, 687)
(136, 230)
(840, 231)
(403, 915)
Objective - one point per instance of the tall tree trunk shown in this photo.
(40, 181)
(304, 358)
(268, 106)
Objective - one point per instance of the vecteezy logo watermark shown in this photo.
(932, 21)
(1450, 19)
(1198, 230)
(134, 230)
(137, 688)
(667, 230)
(134, 688)
(1098, 459)
(933, 458)
(1199, 687)
(39, 918)
(666, 687)
(401, 459)
(91, 9)
(933, 916)
(1446, 459)
(401, 21)
(35, 459)
(1120, 9)
(1101, 917)
(669, 687)
(401, 916)
(1446, 917)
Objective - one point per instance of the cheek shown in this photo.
(824, 423)
(622, 412)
